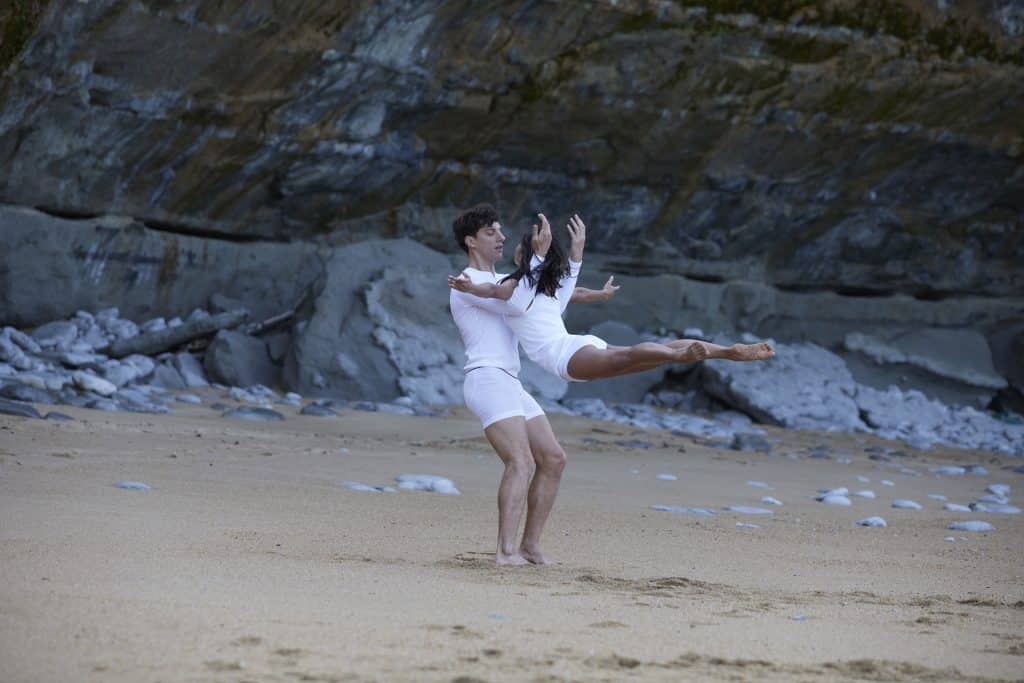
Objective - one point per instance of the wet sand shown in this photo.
(248, 562)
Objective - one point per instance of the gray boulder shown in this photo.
(11, 353)
(190, 370)
(408, 306)
(953, 365)
(329, 354)
(804, 386)
(167, 377)
(238, 360)
(18, 408)
(55, 335)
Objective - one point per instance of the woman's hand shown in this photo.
(541, 236)
(462, 283)
(578, 237)
(609, 289)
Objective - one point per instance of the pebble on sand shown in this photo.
(427, 482)
(747, 525)
(702, 512)
(871, 522)
(866, 493)
(948, 469)
(904, 504)
(971, 525)
(747, 510)
(834, 499)
(998, 489)
(668, 477)
(956, 507)
(133, 485)
(886, 482)
(768, 500)
(357, 486)
(254, 414)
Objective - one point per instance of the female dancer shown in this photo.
(575, 357)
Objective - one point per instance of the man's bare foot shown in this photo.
(513, 558)
(534, 556)
(759, 351)
(697, 351)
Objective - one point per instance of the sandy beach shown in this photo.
(247, 561)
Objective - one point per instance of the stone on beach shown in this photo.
(768, 500)
(956, 507)
(318, 410)
(971, 525)
(999, 489)
(1000, 508)
(188, 398)
(702, 512)
(747, 510)
(835, 499)
(91, 382)
(904, 504)
(426, 482)
(866, 493)
(667, 477)
(133, 485)
(8, 407)
(254, 414)
(356, 486)
(871, 522)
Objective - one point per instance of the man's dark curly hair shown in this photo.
(469, 222)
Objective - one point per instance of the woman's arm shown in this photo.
(484, 290)
(586, 296)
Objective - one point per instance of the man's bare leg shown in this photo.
(550, 460)
(511, 442)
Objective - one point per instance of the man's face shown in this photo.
(488, 243)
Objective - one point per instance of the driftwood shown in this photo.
(163, 340)
(260, 327)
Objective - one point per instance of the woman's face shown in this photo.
(517, 256)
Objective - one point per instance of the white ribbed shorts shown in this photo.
(555, 357)
(493, 394)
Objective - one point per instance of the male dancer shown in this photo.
(513, 423)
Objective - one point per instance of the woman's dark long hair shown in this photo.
(548, 274)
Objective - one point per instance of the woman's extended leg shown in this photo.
(591, 362)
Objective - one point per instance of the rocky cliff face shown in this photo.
(867, 146)
(782, 165)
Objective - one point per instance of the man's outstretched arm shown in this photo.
(587, 296)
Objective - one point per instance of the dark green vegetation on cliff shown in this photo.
(18, 22)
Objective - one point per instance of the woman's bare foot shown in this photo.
(759, 351)
(511, 558)
(534, 556)
(697, 351)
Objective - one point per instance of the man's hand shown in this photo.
(578, 237)
(541, 237)
(609, 289)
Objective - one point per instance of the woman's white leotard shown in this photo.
(541, 330)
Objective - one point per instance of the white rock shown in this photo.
(91, 382)
(972, 525)
(999, 489)
(768, 500)
(426, 482)
(872, 522)
(835, 500)
(956, 507)
(904, 504)
(866, 493)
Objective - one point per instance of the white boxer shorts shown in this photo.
(493, 394)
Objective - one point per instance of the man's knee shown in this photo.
(520, 463)
(551, 460)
